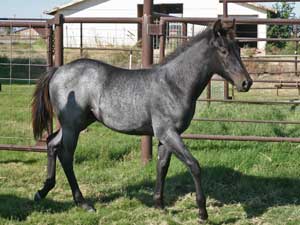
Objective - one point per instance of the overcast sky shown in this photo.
(35, 8)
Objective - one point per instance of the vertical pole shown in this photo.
(225, 15)
(208, 92)
(296, 58)
(130, 60)
(59, 38)
(147, 61)
(49, 62)
(193, 30)
(162, 41)
(184, 33)
(139, 26)
(225, 8)
(296, 49)
(81, 41)
(49, 46)
(58, 44)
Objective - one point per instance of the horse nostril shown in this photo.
(250, 82)
(245, 84)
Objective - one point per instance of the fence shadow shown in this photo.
(16, 208)
(24, 161)
(225, 186)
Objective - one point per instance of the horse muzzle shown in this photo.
(244, 85)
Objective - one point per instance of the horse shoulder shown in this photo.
(170, 105)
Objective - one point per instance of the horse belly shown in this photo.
(125, 119)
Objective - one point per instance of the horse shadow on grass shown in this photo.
(17, 208)
(225, 186)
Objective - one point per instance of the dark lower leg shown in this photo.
(200, 197)
(66, 160)
(52, 147)
(164, 157)
(50, 180)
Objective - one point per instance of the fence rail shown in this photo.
(54, 37)
(227, 99)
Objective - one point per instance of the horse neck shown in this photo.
(191, 70)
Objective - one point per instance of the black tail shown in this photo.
(41, 107)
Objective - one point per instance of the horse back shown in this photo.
(118, 98)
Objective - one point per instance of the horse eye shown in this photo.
(224, 51)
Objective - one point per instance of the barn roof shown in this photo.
(254, 6)
(259, 7)
(41, 31)
(64, 6)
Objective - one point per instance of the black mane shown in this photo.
(204, 34)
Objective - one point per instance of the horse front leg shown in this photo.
(53, 145)
(163, 162)
(173, 141)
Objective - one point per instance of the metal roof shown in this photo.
(255, 6)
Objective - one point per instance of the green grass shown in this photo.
(245, 182)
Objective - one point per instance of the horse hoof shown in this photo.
(201, 221)
(37, 197)
(88, 208)
(203, 216)
(159, 206)
(158, 203)
(91, 209)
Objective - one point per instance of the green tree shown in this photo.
(283, 10)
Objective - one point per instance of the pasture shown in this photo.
(245, 182)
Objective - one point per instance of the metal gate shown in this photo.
(16, 90)
(25, 55)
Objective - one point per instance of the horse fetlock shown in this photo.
(37, 197)
(203, 216)
(158, 201)
(201, 202)
(81, 202)
(87, 207)
(49, 184)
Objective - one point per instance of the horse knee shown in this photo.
(194, 167)
(163, 163)
(164, 157)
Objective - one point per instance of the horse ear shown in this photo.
(228, 25)
(231, 30)
(233, 27)
(217, 28)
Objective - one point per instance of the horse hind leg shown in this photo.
(66, 158)
(53, 145)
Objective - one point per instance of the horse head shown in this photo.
(228, 62)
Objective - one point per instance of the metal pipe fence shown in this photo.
(23, 58)
(278, 84)
(159, 38)
(19, 83)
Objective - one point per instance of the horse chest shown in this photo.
(180, 112)
(183, 118)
